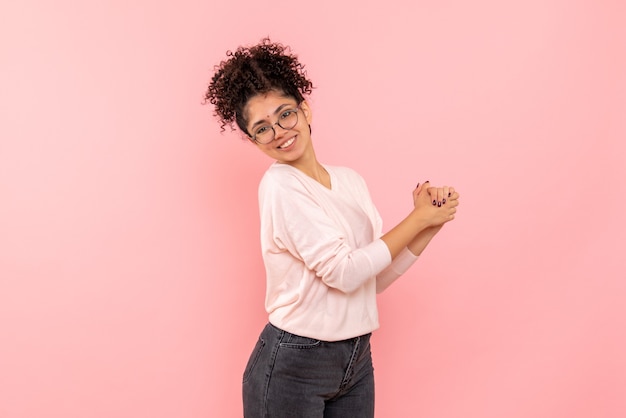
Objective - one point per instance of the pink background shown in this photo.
(131, 283)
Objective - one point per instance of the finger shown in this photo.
(436, 194)
(455, 196)
(424, 194)
(446, 194)
(432, 192)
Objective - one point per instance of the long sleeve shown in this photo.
(397, 268)
(318, 236)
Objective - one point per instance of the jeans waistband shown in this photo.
(364, 336)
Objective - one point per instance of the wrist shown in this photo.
(420, 219)
(421, 240)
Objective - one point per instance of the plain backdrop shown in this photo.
(131, 282)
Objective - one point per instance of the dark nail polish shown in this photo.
(444, 201)
(434, 203)
(449, 194)
(439, 204)
(418, 185)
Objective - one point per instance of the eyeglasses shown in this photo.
(287, 119)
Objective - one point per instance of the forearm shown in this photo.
(403, 234)
(419, 243)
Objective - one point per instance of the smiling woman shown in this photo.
(323, 248)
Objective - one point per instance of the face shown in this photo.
(290, 146)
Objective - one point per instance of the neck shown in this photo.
(312, 168)
(317, 172)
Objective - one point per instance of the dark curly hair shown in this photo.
(254, 70)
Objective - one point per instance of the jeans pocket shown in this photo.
(298, 342)
(254, 358)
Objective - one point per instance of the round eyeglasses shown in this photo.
(266, 133)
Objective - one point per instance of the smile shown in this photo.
(287, 143)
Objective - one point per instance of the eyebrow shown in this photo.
(277, 111)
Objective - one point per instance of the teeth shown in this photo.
(286, 144)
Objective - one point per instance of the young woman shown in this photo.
(321, 237)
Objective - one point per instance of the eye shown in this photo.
(286, 114)
(262, 130)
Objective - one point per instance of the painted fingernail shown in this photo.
(444, 201)
(449, 194)
(434, 203)
(439, 204)
(418, 185)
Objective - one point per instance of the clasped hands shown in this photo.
(436, 204)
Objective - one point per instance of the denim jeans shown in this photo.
(298, 377)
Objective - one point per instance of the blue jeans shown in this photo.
(298, 377)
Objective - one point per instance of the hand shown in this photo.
(442, 202)
(439, 195)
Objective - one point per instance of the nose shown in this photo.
(279, 131)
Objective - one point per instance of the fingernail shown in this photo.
(427, 181)
(439, 204)
(418, 185)
(444, 201)
(434, 203)
(449, 194)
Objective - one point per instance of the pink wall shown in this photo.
(131, 283)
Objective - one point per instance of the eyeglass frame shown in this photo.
(296, 109)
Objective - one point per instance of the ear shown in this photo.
(245, 136)
(307, 111)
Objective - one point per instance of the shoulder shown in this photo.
(282, 180)
(280, 176)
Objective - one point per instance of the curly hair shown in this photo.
(254, 70)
